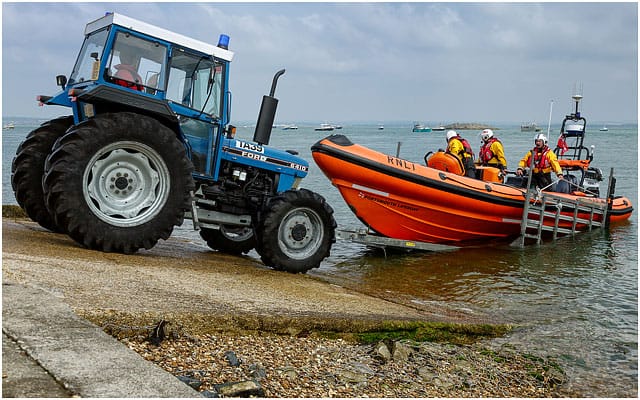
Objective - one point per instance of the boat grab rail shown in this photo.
(574, 153)
(572, 184)
(493, 188)
(489, 188)
(580, 188)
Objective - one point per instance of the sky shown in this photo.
(376, 62)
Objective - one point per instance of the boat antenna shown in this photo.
(549, 124)
(577, 98)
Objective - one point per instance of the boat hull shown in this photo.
(404, 200)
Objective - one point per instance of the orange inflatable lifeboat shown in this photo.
(435, 203)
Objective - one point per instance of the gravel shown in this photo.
(286, 366)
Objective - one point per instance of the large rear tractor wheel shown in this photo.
(27, 170)
(118, 182)
(230, 239)
(297, 232)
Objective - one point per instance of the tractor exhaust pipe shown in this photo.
(267, 113)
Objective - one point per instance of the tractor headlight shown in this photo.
(89, 111)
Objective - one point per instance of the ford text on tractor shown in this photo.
(150, 142)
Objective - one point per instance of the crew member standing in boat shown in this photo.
(491, 151)
(460, 148)
(542, 160)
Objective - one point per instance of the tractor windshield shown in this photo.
(137, 63)
(86, 68)
(196, 82)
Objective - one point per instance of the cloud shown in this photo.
(378, 61)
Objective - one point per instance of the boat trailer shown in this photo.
(365, 237)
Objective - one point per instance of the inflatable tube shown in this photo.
(446, 162)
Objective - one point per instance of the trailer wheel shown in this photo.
(230, 239)
(297, 231)
(27, 170)
(118, 182)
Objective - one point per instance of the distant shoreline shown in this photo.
(463, 126)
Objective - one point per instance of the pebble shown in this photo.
(287, 366)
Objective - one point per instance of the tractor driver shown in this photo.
(126, 73)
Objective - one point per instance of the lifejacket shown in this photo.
(467, 147)
(540, 159)
(128, 77)
(485, 150)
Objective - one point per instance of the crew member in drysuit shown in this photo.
(491, 151)
(460, 148)
(544, 161)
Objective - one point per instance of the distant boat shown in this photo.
(604, 129)
(10, 125)
(380, 127)
(289, 127)
(337, 126)
(325, 127)
(420, 128)
(530, 127)
(439, 129)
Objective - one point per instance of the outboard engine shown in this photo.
(592, 178)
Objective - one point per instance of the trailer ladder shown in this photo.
(549, 207)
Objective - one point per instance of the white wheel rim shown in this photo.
(301, 233)
(126, 183)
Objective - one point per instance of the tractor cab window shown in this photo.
(196, 82)
(137, 63)
(88, 63)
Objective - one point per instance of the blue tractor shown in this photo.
(150, 143)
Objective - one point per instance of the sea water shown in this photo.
(575, 299)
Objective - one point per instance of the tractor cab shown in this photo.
(128, 65)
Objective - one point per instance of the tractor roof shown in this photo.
(160, 33)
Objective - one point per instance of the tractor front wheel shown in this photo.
(118, 182)
(297, 231)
